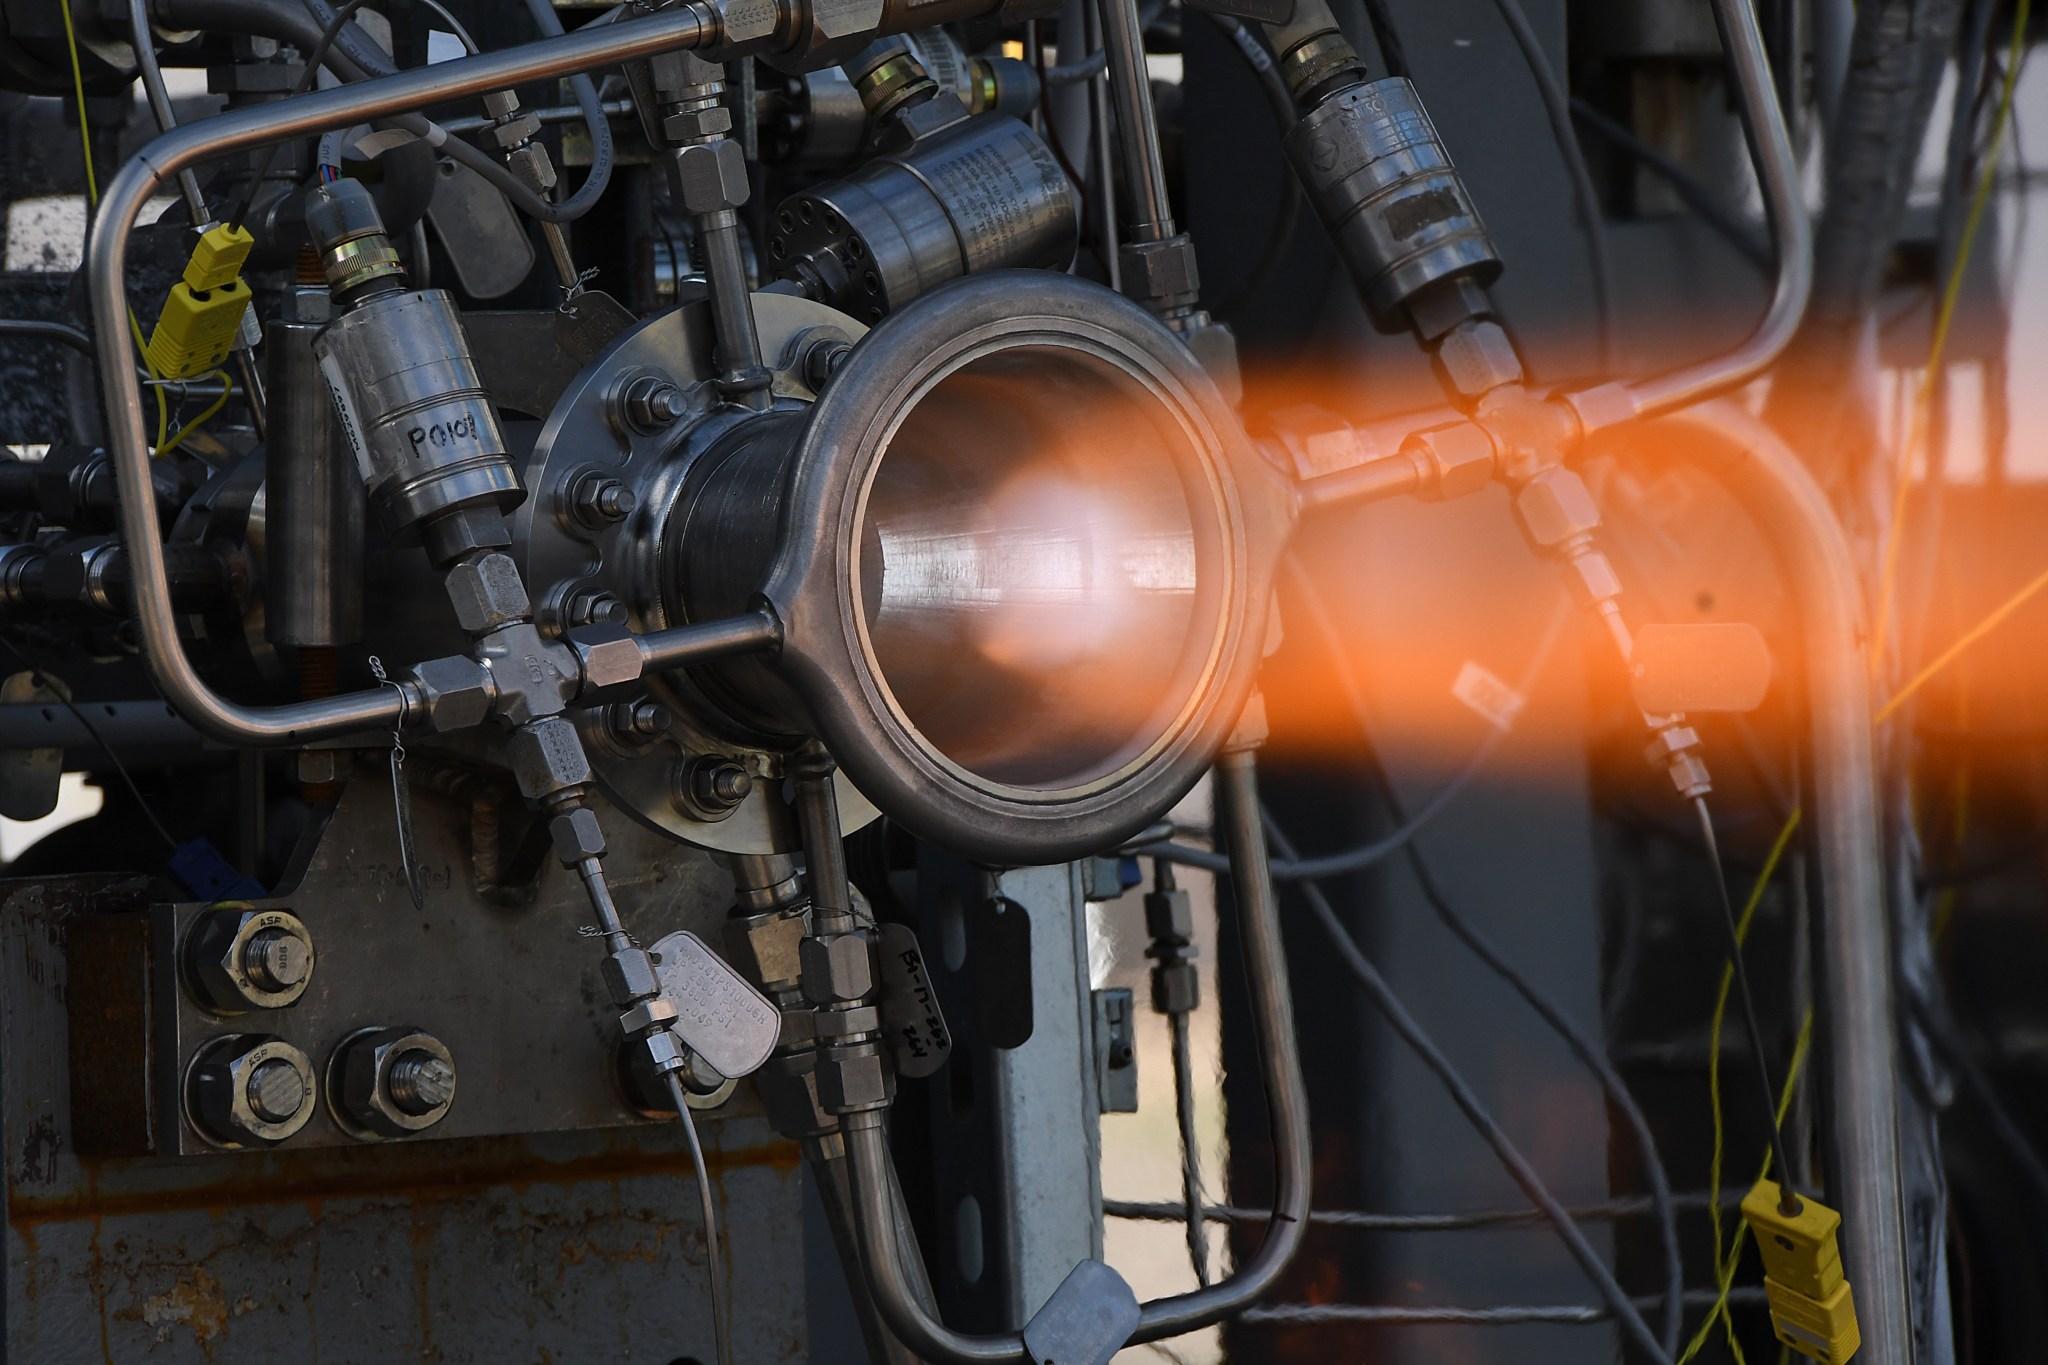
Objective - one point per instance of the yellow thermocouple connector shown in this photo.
(1811, 1308)
(197, 327)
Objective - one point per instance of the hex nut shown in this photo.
(788, 1086)
(501, 104)
(646, 1016)
(458, 692)
(514, 132)
(1478, 357)
(1591, 578)
(843, 20)
(533, 168)
(1451, 461)
(362, 1076)
(577, 836)
(837, 968)
(710, 786)
(766, 947)
(607, 655)
(852, 1078)
(708, 177)
(487, 593)
(688, 125)
(547, 758)
(1176, 988)
(218, 959)
(250, 1090)
(1161, 270)
(1555, 506)
(629, 975)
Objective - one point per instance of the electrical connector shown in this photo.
(203, 314)
(1812, 1310)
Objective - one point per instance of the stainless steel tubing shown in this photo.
(1859, 1118)
(1279, 1050)
(313, 553)
(1272, 1007)
(160, 100)
(1777, 170)
(605, 45)
(1130, 89)
(682, 646)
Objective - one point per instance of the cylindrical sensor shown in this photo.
(983, 194)
(1384, 186)
(414, 410)
(313, 523)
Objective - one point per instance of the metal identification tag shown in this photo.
(719, 1015)
(919, 1041)
(401, 803)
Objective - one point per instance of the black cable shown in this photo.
(1956, 1053)
(1788, 1196)
(595, 123)
(335, 24)
(1606, 1211)
(1593, 1058)
(1517, 1166)
(1557, 108)
(1281, 101)
(35, 329)
(1393, 55)
(38, 678)
(1500, 1315)
(1365, 855)
(1688, 187)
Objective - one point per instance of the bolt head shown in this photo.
(238, 958)
(711, 786)
(250, 1090)
(392, 1082)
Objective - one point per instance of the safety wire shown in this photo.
(92, 190)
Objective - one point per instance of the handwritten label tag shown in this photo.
(919, 1041)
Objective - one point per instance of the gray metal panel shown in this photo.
(565, 1246)
(1051, 1129)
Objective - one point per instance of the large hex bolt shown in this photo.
(650, 402)
(391, 1082)
(711, 786)
(596, 500)
(238, 959)
(249, 1090)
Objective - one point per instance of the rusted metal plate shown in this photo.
(512, 989)
(564, 1246)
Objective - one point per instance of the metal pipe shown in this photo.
(1130, 88)
(1272, 1006)
(1272, 1009)
(314, 530)
(1859, 1119)
(107, 256)
(682, 646)
(740, 375)
(1777, 171)
(160, 101)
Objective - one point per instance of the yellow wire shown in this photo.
(1749, 909)
(1951, 292)
(92, 191)
(1954, 651)
(227, 386)
(1725, 1277)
